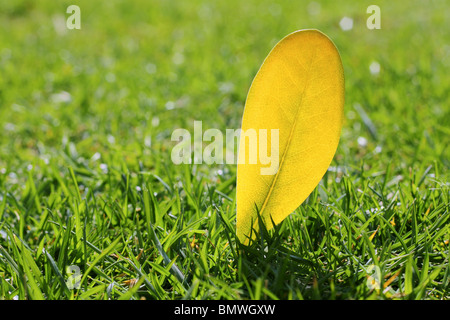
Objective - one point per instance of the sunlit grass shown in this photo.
(86, 178)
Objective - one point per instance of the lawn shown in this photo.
(92, 207)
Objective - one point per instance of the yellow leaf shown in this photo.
(392, 222)
(298, 90)
(373, 234)
(391, 279)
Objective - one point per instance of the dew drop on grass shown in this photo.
(155, 121)
(13, 177)
(374, 68)
(104, 167)
(346, 23)
(96, 156)
(362, 142)
(170, 105)
(148, 141)
(61, 97)
(9, 127)
(111, 139)
(59, 24)
(226, 87)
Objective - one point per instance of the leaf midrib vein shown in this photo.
(269, 194)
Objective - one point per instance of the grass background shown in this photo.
(86, 178)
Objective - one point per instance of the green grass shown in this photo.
(86, 178)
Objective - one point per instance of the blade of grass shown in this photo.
(58, 273)
(99, 257)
